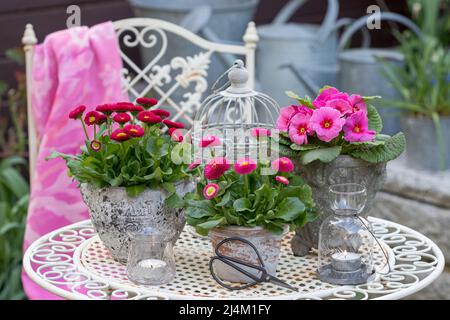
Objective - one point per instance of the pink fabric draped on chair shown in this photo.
(71, 67)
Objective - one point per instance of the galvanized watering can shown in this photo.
(313, 48)
(360, 70)
(205, 17)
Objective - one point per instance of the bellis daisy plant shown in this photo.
(128, 147)
(243, 194)
(335, 123)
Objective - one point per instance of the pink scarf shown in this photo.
(76, 66)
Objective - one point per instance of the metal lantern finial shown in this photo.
(231, 115)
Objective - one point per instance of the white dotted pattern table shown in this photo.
(73, 262)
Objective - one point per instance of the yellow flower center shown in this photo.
(91, 119)
(302, 130)
(356, 129)
(121, 135)
(327, 124)
(244, 163)
(210, 191)
(133, 130)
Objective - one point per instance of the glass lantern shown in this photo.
(232, 115)
(345, 238)
(151, 260)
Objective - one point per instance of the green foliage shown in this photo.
(433, 18)
(381, 150)
(14, 193)
(325, 154)
(13, 99)
(424, 80)
(248, 200)
(375, 122)
(135, 164)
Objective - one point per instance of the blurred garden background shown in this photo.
(417, 85)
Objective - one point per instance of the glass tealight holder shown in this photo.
(345, 239)
(151, 260)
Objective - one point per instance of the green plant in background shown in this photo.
(433, 18)
(12, 127)
(424, 80)
(14, 190)
(14, 194)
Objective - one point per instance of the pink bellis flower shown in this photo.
(210, 190)
(216, 167)
(282, 164)
(244, 166)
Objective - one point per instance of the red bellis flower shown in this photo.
(92, 117)
(147, 102)
(77, 112)
(173, 124)
(148, 117)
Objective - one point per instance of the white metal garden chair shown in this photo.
(154, 77)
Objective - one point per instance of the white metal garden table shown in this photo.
(73, 263)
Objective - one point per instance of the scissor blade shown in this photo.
(281, 283)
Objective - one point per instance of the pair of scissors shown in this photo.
(258, 277)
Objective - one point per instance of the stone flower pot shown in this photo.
(114, 214)
(267, 243)
(319, 175)
(422, 148)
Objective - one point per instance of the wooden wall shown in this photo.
(50, 15)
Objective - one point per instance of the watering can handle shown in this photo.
(360, 22)
(344, 22)
(196, 21)
(328, 22)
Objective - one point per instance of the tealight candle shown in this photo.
(346, 261)
(152, 264)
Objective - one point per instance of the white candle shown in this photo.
(346, 261)
(152, 264)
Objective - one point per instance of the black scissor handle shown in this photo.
(223, 284)
(261, 266)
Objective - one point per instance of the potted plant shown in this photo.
(251, 200)
(125, 172)
(424, 85)
(335, 139)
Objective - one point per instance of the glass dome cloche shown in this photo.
(236, 117)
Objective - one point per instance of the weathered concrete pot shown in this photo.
(422, 148)
(114, 214)
(320, 176)
(267, 243)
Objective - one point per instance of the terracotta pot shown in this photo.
(267, 243)
(319, 176)
(114, 215)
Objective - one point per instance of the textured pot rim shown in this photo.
(184, 181)
(346, 156)
(218, 230)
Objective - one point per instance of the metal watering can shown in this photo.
(360, 70)
(312, 48)
(204, 17)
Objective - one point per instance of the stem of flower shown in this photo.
(95, 132)
(108, 123)
(84, 128)
(246, 185)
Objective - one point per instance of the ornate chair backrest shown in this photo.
(178, 82)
